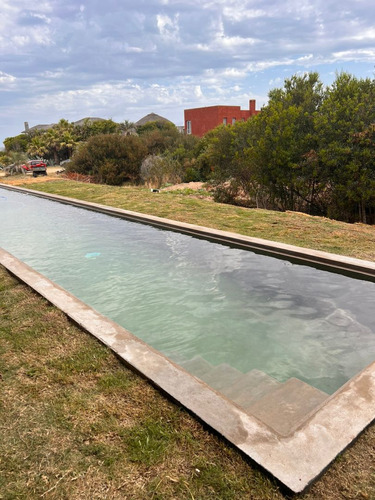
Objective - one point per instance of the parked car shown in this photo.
(37, 167)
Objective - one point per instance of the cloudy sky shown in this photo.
(122, 59)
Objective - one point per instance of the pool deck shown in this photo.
(296, 453)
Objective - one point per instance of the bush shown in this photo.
(156, 171)
(159, 136)
(110, 159)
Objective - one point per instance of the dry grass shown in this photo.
(78, 424)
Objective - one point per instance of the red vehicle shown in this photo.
(37, 167)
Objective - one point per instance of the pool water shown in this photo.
(190, 297)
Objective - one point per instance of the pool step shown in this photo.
(281, 406)
(221, 377)
(242, 388)
(198, 366)
(250, 387)
(288, 405)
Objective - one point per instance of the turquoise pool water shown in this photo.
(187, 296)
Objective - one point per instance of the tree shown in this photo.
(128, 128)
(38, 146)
(90, 128)
(18, 143)
(56, 143)
(14, 160)
(345, 133)
(361, 183)
(287, 145)
(159, 136)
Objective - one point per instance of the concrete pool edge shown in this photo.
(276, 249)
(295, 460)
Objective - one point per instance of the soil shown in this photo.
(185, 185)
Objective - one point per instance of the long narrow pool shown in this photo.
(195, 299)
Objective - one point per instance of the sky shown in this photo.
(123, 59)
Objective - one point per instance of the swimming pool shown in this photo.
(198, 302)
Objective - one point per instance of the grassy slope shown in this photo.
(76, 423)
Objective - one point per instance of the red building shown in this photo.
(198, 121)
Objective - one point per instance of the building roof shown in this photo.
(151, 117)
(78, 123)
(89, 120)
(40, 127)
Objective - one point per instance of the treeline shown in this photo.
(311, 149)
(110, 152)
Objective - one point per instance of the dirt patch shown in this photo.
(28, 178)
(185, 185)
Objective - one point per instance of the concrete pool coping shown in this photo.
(297, 459)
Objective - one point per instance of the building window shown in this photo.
(225, 120)
(233, 121)
(188, 127)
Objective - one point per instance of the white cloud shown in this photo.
(198, 91)
(240, 12)
(367, 55)
(275, 82)
(6, 80)
(367, 34)
(168, 27)
(123, 59)
(16, 26)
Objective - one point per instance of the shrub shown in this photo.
(110, 158)
(156, 171)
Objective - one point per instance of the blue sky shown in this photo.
(125, 59)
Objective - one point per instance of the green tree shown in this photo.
(287, 144)
(90, 128)
(13, 161)
(345, 131)
(56, 143)
(18, 143)
(159, 136)
(127, 128)
(38, 146)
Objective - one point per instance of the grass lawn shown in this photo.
(76, 423)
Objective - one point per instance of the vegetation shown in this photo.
(79, 424)
(110, 158)
(311, 149)
(157, 170)
(18, 143)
